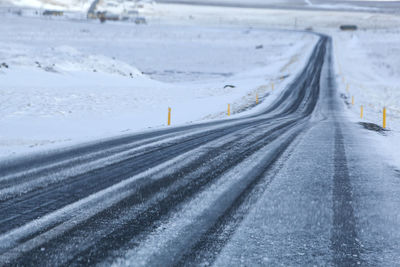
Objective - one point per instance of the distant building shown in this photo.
(348, 27)
(53, 13)
(103, 16)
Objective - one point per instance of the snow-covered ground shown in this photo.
(65, 5)
(369, 66)
(77, 9)
(183, 59)
(125, 8)
(69, 81)
(367, 60)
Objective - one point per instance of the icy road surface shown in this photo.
(291, 185)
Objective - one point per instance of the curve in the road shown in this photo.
(133, 193)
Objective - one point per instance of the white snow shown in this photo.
(125, 7)
(369, 66)
(71, 81)
(84, 86)
(67, 5)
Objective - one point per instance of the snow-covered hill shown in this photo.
(65, 5)
(111, 6)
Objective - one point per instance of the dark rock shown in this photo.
(373, 127)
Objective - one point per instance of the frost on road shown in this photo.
(293, 180)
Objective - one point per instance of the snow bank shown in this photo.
(62, 59)
(368, 64)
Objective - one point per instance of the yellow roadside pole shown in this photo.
(384, 118)
(352, 100)
(229, 109)
(362, 112)
(169, 116)
(256, 98)
(272, 86)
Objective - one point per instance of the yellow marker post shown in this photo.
(256, 98)
(361, 112)
(352, 100)
(272, 86)
(384, 118)
(169, 116)
(229, 109)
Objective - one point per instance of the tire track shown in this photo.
(346, 249)
(176, 188)
(40, 202)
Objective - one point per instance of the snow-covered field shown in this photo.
(66, 5)
(369, 66)
(69, 81)
(366, 60)
(125, 7)
(76, 9)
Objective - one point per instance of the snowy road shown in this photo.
(273, 188)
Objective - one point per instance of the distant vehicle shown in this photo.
(53, 13)
(348, 27)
